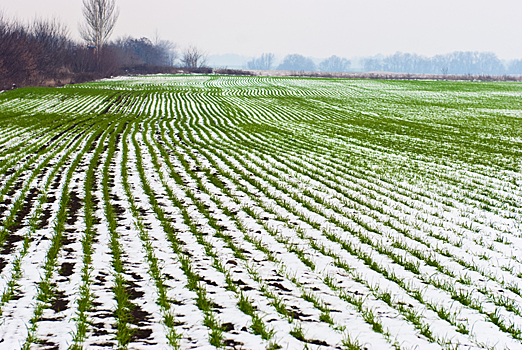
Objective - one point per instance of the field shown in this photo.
(261, 213)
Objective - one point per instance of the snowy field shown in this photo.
(208, 212)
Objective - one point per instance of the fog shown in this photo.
(345, 28)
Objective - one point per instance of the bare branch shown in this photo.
(100, 18)
(265, 62)
(192, 57)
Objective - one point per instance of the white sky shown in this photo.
(309, 27)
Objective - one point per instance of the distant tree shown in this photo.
(193, 58)
(439, 64)
(167, 48)
(334, 64)
(145, 50)
(100, 18)
(372, 64)
(489, 63)
(18, 54)
(297, 62)
(394, 63)
(265, 62)
(514, 67)
(54, 45)
(132, 52)
(458, 62)
(407, 63)
(253, 64)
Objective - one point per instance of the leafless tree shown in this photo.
(193, 57)
(167, 47)
(52, 39)
(265, 62)
(268, 60)
(334, 64)
(100, 18)
(18, 63)
(297, 62)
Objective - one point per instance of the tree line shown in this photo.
(455, 63)
(42, 52)
(296, 62)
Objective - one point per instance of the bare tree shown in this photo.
(100, 19)
(265, 62)
(168, 48)
(52, 38)
(170, 54)
(18, 63)
(297, 62)
(192, 57)
(268, 60)
(334, 64)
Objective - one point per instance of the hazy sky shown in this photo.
(310, 27)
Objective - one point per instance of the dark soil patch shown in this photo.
(232, 343)
(9, 243)
(75, 204)
(239, 283)
(17, 186)
(136, 276)
(123, 104)
(227, 327)
(66, 269)
(132, 292)
(59, 302)
(317, 342)
(104, 345)
(54, 138)
(298, 315)
(216, 306)
(56, 182)
(115, 102)
(99, 329)
(48, 345)
(139, 316)
(209, 282)
(118, 209)
(103, 314)
(141, 333)
(44, 220)
(94, 144)
(26, 209)
(3, 264)
(280, 287)
(66, 240)
(100, 278)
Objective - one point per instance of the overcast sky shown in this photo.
(318, 28)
